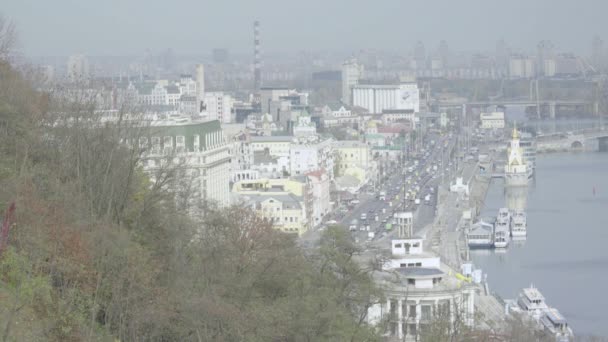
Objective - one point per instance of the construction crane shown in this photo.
(6, 225)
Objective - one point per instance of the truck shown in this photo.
(382, 196)
(363, 216)
(353, 225)
(417, 201)
(427, 199)
(371, 235)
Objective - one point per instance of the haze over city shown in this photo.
(327, 171)
(115, 27)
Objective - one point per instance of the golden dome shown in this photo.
(515, 132)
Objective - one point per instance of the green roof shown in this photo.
(209, 132)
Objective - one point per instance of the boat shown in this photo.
(555, 324)
(516, 170)
(532, 302)
(518, 224)
(480, 235)
(503, 216)
(501, 234)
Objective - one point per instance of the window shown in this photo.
(196, 142)
(180, 143)
(167, 144)
(411, 330)
(411, 281)
(411, 313)
(393, 308)
(425, 312)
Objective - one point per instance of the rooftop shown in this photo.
(533, 294)
(420, 272)
(555, 316)
(281, 138)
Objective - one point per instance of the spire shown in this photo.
(515, 132)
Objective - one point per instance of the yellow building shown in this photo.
(353, 158)
(270, 185)
(286, 201)
(285, 211)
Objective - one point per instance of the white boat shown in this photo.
(555, 324)
(516, 169)
(503, 216)
(480, 235)
(501, 234)
(532, 302)
(518, 224)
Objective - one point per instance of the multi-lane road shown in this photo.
(422, 174)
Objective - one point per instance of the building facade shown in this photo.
(200, 153)
(493, 120)
(351, 73)
(377, 98)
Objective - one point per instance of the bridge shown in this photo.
(573, 140)
(551, 105)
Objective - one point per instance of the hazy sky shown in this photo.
(118, 27)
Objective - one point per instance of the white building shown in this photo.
(493, 120)
(351, 73)
(304, 158)
(187, 85)
(319, 182)
(339, 117)
(271, 155)
(78, 69)
(219, 106)
(304, 127)
(521, 67)
(377, 98)
(199, 151)
(420, 291)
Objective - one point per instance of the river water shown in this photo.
(566, 252)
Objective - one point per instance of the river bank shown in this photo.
(564, 254)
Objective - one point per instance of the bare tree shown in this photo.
(8, 38)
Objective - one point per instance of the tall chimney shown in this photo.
(257, 72)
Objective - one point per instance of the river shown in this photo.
(566, 252)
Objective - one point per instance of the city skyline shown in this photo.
(340, 26)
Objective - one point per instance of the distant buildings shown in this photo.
(521, 67)
(352, 72)
(376, 98)
(493, 120)
(78, 69)
(218, 106)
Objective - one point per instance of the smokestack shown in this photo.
(200, 86)
(257, 72)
